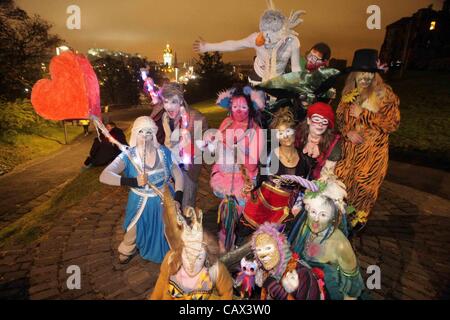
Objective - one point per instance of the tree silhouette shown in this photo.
(215, 75)
(26, 47)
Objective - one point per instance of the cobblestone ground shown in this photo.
(409, 245)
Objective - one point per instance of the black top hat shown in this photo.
(365, 60)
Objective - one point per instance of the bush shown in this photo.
(19, 117)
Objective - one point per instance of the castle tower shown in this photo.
(168, 56)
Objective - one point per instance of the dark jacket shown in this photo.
(104, 152)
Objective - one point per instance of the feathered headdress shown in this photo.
(256, 96)
(330, 187)
(272, 230)
(290, 23)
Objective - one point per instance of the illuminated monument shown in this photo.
(168, 59)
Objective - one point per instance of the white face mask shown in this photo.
(317, 124)
(285, 135)
(193, 261)
(145, 135)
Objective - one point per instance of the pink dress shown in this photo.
(237, 148)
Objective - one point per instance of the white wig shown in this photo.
(335, 190)
(273, 20)
(142, 123)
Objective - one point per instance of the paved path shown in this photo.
(33, 183)
(408, 243)
(86, 235)
(408, 237)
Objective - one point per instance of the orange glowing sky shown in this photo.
(145, 26)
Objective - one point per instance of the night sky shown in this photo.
(145, 26)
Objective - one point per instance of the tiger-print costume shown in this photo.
(364, 166)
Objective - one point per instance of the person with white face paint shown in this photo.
(318, 239)
(178, 126)
(367, 114)
(276, 44)
(146, 168)
(282, 276)
(192, 271)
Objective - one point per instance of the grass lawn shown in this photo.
(213, 113)
(26, 147)
(424, 135)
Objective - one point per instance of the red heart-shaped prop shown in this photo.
(73, 91)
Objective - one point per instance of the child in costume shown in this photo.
(276, 44)
(367, 114)
(319, 241)
(192, 271)
(147, 168)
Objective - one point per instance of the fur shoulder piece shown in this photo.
(214, 272)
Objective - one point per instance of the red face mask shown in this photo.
(313, 62)
(239, 109)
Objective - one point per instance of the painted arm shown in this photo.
(229, 45)
(348, 265)
(295, 56)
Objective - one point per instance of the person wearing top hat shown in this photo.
(367, 113)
